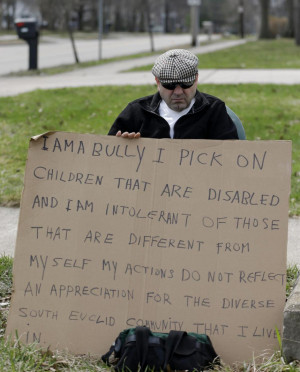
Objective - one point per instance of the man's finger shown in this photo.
(128, 135)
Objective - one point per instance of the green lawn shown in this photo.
(268, 112)
(281, 53)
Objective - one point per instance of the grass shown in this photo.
(25, 358)
(6, 264)
(268, 112)
(16, 356)
(281, 53)
(292, 274)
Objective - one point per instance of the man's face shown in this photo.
(179, 98)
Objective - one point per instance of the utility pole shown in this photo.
(195, 14)
(241, 18)
(100, 27)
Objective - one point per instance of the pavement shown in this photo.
(113, 74)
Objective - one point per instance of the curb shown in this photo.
(291, 326)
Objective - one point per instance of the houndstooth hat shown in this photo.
(176, 65)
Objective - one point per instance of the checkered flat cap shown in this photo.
(176, 65)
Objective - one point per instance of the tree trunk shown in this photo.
(290, 32)
(118, 21)
(69, 24)
(166, 20)
(241, 18)
(297, 21)
(80, 13)
(9, 16)
(70, 31)
(264, 29)
(149, 24)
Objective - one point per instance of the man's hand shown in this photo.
(128, 135)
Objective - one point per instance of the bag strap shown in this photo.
(142, 342)
(172, 342)
(151, 340)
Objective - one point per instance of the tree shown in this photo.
(241, 18)
(70, 19)
(8, 12)
(131, 15)
(80, 10)
(51, 13)
(264, 29)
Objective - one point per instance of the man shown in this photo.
(178, 109)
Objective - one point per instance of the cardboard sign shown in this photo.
(172, 234)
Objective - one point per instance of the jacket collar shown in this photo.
(153, 104)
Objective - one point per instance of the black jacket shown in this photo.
(207, 119)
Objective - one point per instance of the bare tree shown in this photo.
(8, 12)
(51, 12)
(80, 9)
(86, 13)
(166, 15)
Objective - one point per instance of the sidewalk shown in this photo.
(113, 74)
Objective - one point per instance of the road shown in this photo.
(57, 51)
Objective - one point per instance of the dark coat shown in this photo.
(207, 119)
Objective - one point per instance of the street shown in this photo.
(57, 51)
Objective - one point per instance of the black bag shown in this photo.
(189, 352)
(136, 348)
(139, 348)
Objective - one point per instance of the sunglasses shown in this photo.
(172, 86)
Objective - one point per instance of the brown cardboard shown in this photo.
(173, 234)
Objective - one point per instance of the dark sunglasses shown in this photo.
(172, 86)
